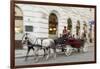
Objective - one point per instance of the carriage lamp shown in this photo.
(50, 29)
(54, 28)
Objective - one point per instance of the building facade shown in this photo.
(49, 21)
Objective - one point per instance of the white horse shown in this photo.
(50, 48)
(45, 49)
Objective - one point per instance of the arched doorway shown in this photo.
(90, 34)
(69, 26)
(18, 26)
(91, 31)
(53, 25)
(18, 20)
(84, 30)
(78, 28)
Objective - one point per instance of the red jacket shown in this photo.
(64, 31)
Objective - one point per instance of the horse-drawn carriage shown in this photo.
(69, 44)
(66, 45)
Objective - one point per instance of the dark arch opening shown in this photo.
(53, 24)
(84, 29)
(18, 26)
(69, 26)
(18, 20)
(78, 28)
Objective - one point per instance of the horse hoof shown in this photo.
(47, 57)
(25, 59)
(37, 60)
(34, 59)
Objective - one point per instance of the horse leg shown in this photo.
(36, 56)
(62, 49)
(78, 49)
(27, 53)
(33, 49)
(44, 52)
(54, 53)
(48, 53)
(34, 52)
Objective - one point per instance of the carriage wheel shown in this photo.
(84, 48)
(68, 53)
(68, 50)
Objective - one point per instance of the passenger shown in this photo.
(65, 32)
(73, 37)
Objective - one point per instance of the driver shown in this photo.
(65, 32)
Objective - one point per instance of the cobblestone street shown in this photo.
(61, 57)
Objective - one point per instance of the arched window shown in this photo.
(78, 28)
(84, 29)
(69, 26)
(53, 23)
(18, 20)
